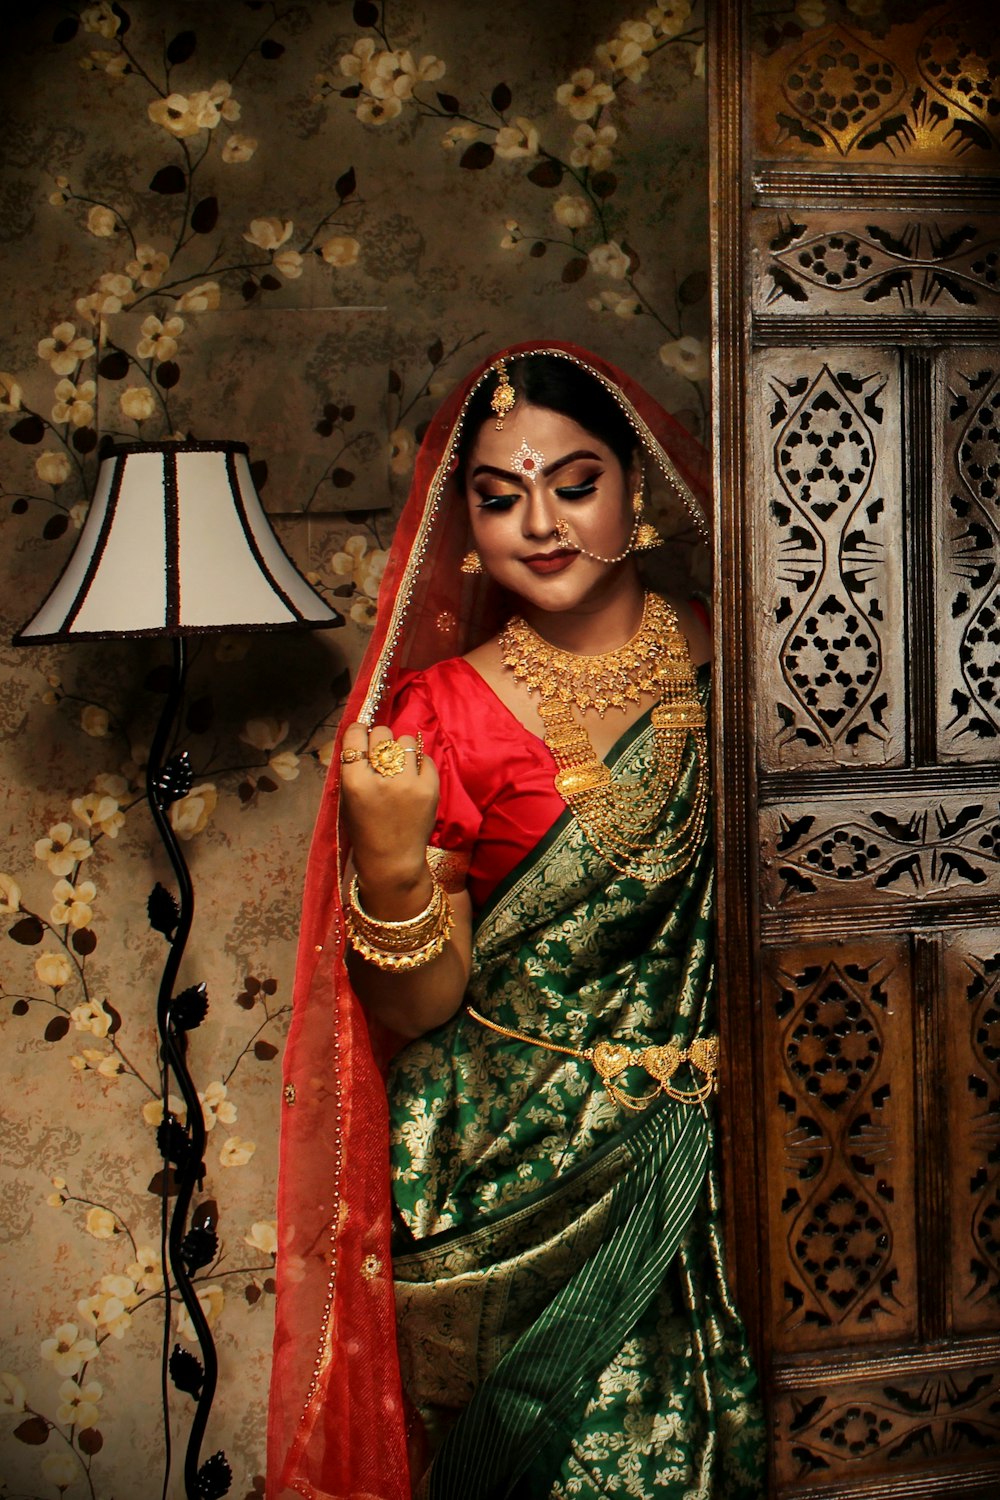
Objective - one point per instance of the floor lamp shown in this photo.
(176, 544)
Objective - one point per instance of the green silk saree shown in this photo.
(565, 1328)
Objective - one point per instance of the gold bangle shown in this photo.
(404, 944)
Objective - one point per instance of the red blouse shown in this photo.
(498, 796)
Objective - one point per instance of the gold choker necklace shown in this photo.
(621, 821)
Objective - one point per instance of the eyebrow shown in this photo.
(551, 468)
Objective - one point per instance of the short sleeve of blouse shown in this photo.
(459, 820)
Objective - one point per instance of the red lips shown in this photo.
(551, 562)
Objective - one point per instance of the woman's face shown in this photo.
(541, 469)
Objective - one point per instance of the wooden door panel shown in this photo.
(857, 227)
(828, 574)
(840, 1178)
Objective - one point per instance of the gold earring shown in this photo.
(646, 535)
(471, 562)
(637, 501)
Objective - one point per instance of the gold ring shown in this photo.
(387, 758)
(348, 757)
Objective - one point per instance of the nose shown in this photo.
(540, 516)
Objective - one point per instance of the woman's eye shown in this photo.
(577, 491)
(497, 502)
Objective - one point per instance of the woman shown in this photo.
(520, 895)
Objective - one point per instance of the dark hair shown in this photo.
(559, 385)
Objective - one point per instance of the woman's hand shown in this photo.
(388, 818)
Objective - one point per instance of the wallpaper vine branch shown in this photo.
(292, 223)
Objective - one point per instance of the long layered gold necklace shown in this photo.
(622, 821)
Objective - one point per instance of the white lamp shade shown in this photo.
(176, 542)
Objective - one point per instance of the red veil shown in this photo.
(338, 1425)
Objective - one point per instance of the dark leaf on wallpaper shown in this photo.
(245, 791)
(449, 104)
(395, 382)
(351, 92)
(66, 30)
(324, 428)
(501, 97)
(90, 1441)
(28, 430)
(116, 1020)
(19, 506)
(173, 1142)
(365, 13)
(603, 184)
(84, 440)
(124, 19)
(271, 50)
(206, 1215)
(252, 1292)
(190, 1007)
(54, 527)
(215, 1476)
(270, 986)
(199, 716)
(252, 984)
(114, 366)
(159, 679)
(181, 47)
(205, 215)
(345, 184)
(477, 156)
(436, 352)
(693, 288)
(264, 1051)
(343, 591)
(245, 1000)
(28, 931)
(347, 413)
(341, 684)
(538, 249)
(84, 941)
(341, 478)
(259, 472)
(20, 1008)
(249, 290)
(175, 780)
(270, 283)
(265, 784)
(163, 1186)
(168, 374)
(57, 1028)
(575, 268)
(168, 180)
(270, 1286)
(186, 1371)
(547, 174)
(198, 1248)
(34, 1431)
(162, 910)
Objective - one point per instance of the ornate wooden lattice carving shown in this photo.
(896, 850)
(808, 264)
(825, 581)
(928, 91)
(969, 583)
(896, 1424)
(973, 983)
(841, 1109)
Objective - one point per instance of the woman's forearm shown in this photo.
(411, 1001)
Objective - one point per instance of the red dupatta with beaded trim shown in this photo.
(338, 1427)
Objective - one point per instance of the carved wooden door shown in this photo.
(857, 231)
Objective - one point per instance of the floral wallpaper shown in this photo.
(292, 222)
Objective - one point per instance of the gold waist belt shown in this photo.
(612, 1059)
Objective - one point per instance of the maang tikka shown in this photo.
(503, 398)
